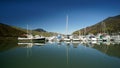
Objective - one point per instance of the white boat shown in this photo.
(91, 37)
(30, 38)
(67, 38)
(103, 37)
(75, 38)
(83, 38)
(115, 37)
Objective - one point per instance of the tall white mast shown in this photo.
(79, 32)
(104, 27)
(85, 31)
(67, 25)
(27, 28)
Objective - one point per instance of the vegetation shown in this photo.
(40, 30)
(9, 31)
(12, 31)
(109, 25)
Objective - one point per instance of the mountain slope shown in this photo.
(12, 31)
(109, 25)
(40, 30)
(9, 31)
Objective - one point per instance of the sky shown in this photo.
(51, 14)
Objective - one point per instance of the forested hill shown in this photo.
(13, 31)
(109, 25)
(40, 30)
(9, 31)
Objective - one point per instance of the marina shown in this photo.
(59, 34)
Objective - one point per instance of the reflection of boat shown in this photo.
(39, 44)
(67, 53)
(75, 45)
(75, 41)
(29, 45)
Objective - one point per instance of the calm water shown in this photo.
(59, 55)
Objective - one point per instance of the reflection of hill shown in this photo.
(111, 50)
(7, 43)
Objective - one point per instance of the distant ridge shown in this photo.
(109, 25)
(40, 30)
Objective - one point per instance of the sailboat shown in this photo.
(67, 37)
(104, 36)
(30, 38)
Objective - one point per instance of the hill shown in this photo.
(13, 31)
(109, 25)
(9, 31)
(40, 30)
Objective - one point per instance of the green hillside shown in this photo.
(12, 31)
(40, 32)
(9, 31)
(109, 25)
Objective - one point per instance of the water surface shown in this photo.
(59, 55)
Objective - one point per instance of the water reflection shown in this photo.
(67, 52)
(30, 45)
(75, 45)
(109, 48)
(61, 54)
(7, 44)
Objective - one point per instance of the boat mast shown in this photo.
(67, 55)
(85, 31)
(67, 25)
(27, 29)
(104, 27)
(79, 32)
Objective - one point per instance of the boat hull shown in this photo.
(41, 40)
